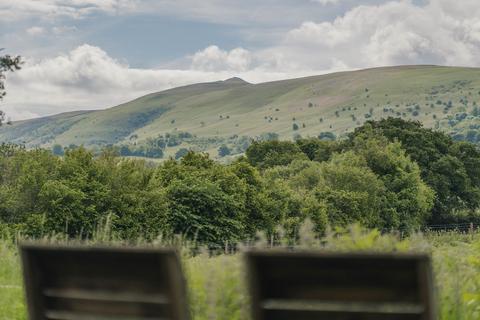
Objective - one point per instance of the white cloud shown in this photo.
(213, 58)
(35, 31)
(11, 10)
(390, 34)
(325, 2)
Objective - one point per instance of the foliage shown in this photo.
(181, 153)
(450, 168)
(42, 194)
(58, 150)
(204, 200)
(7, 64)
(272, 153)
(318, 149)
(223, 150)
(327, 135)
(370, 178)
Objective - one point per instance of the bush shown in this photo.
(223, 151)
(181, 153)
(327, 135)
(58, 150)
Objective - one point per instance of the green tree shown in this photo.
(327, 135)
(272, 153)
(223, 150)
(23, 174)
(443, 167)
(316, 149)
(181, 153)
(58, 150)
(74, 202)
(409, 199)
(257, 200)
(204, 200)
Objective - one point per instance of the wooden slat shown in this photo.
(111, 296)
(352, 307)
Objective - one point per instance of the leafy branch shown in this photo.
(8, 63)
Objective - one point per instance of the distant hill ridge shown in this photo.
(336, 103)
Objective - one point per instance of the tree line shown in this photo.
(390, 174)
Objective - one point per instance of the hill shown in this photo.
(213, 113)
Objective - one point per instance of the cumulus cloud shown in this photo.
(213, 58)
(88, 78)
(394, 33)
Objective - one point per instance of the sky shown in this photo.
(94, 54)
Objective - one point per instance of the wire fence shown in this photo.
(232, 247)
(460, 227)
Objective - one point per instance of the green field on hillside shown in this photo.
(221, 110)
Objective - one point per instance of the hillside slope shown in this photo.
(334, 102)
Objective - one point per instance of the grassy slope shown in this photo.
(197, 108)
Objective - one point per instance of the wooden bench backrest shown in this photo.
(80, 283)
(318, 286)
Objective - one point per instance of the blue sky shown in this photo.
(92, 54)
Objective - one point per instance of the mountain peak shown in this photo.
(235, 80)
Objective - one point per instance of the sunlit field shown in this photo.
(217, 283)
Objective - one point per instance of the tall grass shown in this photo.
(217, 288)
(11, 293)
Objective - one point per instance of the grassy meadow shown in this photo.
(216, 283)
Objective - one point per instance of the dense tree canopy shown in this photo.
(450, 168)
(273, 153)
(388, 175)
